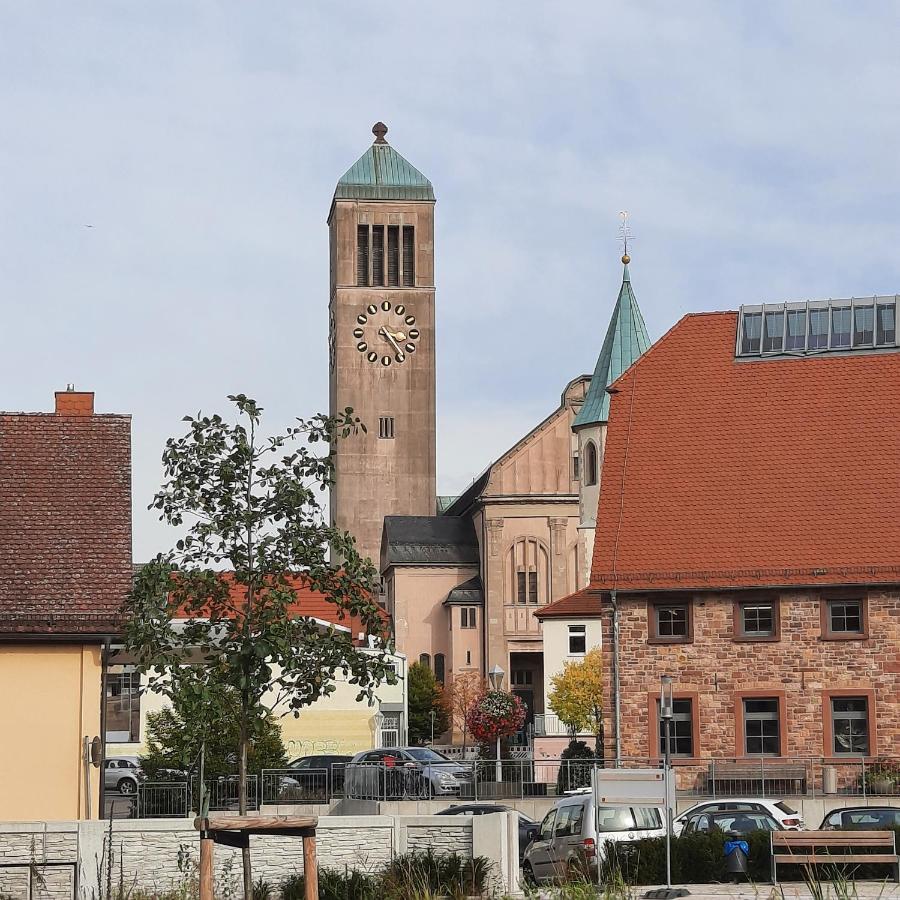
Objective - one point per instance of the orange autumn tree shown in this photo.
(463, 693)
(577, 697)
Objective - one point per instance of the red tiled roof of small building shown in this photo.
(583, 604)
(315, 605)
(733, 473)
(65, 519)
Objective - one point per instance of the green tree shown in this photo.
(424, 696)
(176, 732)
(577, 697)
(219, 612)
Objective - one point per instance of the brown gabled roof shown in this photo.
(583, 604)
(65, 521)
(721, 472)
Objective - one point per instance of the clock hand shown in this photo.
(390, 338)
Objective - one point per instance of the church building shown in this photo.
(462, 576)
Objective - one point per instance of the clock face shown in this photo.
(386, 334)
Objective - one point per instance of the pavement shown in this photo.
(863, 890)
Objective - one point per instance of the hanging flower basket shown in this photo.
(497, 714)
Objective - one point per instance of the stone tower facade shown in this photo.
(381, 342)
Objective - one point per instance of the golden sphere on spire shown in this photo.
(626, 259)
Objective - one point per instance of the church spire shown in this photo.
(626, 339)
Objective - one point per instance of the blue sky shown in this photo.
(755, 146)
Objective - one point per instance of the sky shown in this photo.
(754, 145)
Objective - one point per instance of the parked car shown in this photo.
(740, 822)
(122, 774)
(874, 818)
(568, 842)
(528, 828)
(783, 813)
(331, 766)
(395, 772)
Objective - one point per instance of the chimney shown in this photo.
(74, 403)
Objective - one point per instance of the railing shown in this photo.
(478, 780)
(548, 725)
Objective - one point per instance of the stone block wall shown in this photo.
(714, 668)
(39, 861)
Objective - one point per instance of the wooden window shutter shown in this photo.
(393, 250)
(409, 256)
(362, 254)
(378, 255)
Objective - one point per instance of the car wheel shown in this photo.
(126, 786)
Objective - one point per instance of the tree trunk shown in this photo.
(242, 806)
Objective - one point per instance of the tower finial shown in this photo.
(625, 234)
(379, 129)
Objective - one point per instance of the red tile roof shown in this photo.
(583, 604)
(315, 605)
(725, 473)
(65, 522)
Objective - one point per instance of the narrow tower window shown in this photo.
(409, 256)
(393, 251)
(590, 464)
(378, 255)
(362, 254)
(386, 428)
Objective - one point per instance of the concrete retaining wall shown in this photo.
(64, 860)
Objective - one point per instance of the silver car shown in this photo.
(572, 836)
(122, 774)
(391, 773)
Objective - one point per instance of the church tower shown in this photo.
(381, 342)
(626, 339)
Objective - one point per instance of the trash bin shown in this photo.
(829, 780)
(736, 853)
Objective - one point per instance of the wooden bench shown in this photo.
(754, 777)
(809, 848)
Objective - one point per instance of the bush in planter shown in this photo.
(882, 777)
(575, 768)
(696, 858)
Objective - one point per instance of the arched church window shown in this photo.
(439, 667)
(425, 660)
(527, 568)
(590, 463)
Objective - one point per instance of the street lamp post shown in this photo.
(432, 714)
(666, 712)
(496, 678)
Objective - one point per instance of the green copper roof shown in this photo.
(381, 173)
(626, 339)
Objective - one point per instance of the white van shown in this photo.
(570, 837)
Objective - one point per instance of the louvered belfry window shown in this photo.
(409, 256)
(362, 254)
(378, 255)
(393, 251)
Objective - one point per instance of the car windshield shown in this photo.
(786, 808)
(740, 822)
(424, 754)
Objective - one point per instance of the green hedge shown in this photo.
(700, 859)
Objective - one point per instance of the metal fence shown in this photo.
(515, 779)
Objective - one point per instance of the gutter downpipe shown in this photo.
(617, 711)
(104, 677)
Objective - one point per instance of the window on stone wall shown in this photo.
(425, 659)
(850, 725)
(467, 616)
(670, 622)
(756, 620)
(844, 619)
(762, 726)
(439, 667)
(527, 567)
(681, 731)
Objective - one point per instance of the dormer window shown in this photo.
(816, 326)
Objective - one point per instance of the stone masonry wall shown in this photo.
(714, 668)
(154, 853)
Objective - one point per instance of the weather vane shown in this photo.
(625, 235)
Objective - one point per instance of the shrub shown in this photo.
(573, 773)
